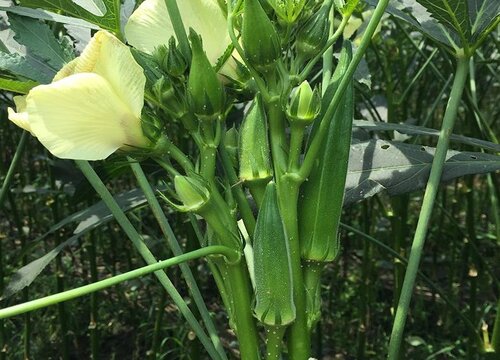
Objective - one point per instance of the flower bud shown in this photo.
(255, 164)
(174, 62)
(151, 126)
(192, 192)
(312, 37)
(304, 105)
(287, 10)
(206, 93)
(168, 97)
(259, 37)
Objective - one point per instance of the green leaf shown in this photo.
(28, 67)
(420, 130)
(416, 15)
(40, 41)
(107, 17)
(453, 14)
(398, 168)
(16, 86)
(482, 13)
(47, 15)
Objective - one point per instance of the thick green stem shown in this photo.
(299, 342)
(246, 330)
(426, 210)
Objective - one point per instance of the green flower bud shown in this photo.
(168, 97)
(192, 192)
(206, 93)
(260, 40)
(304, 105)
(151, 126)
(287, 10)
(255, 163)
(312, 37)
(274, 304)
(174, 62)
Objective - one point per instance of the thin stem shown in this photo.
(296, 140)
(146, 254)
(328, 57)
(427, 206)
(177, 250)
(315, 147)
(178, 26)
(230, 254)
(243, 205)
(274, 339)
(13, 165)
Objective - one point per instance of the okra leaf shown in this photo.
(482, 13)
(47, 15)
(453, 14)
(399, 168)
(28, 67)
(104, 13)
(420, 130)
(40, 41)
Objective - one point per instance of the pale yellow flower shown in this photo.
(93, 106)
(149, 25)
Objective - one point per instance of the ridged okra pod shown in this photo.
(274, 304)
(323, 193)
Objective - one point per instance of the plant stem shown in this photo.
(274, 339)
(179, 29)
(231, 256)
(13, 165)
(146, 254)
(299, 342)
(94, 304)
(176, 249)
(426, 210)
(243, 205)
(495, 338)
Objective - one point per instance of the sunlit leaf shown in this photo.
(399, 168)
(20, 87)
(40, 41)
(104, 13)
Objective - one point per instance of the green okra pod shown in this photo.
(323, 193)
(274, 305)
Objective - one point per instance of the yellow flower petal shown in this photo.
(20, 118)
(149, 26)
(109, 57)
(82, 117)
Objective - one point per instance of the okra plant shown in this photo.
(246, 108)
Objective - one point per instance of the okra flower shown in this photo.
(149, 26)
(93, 106)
